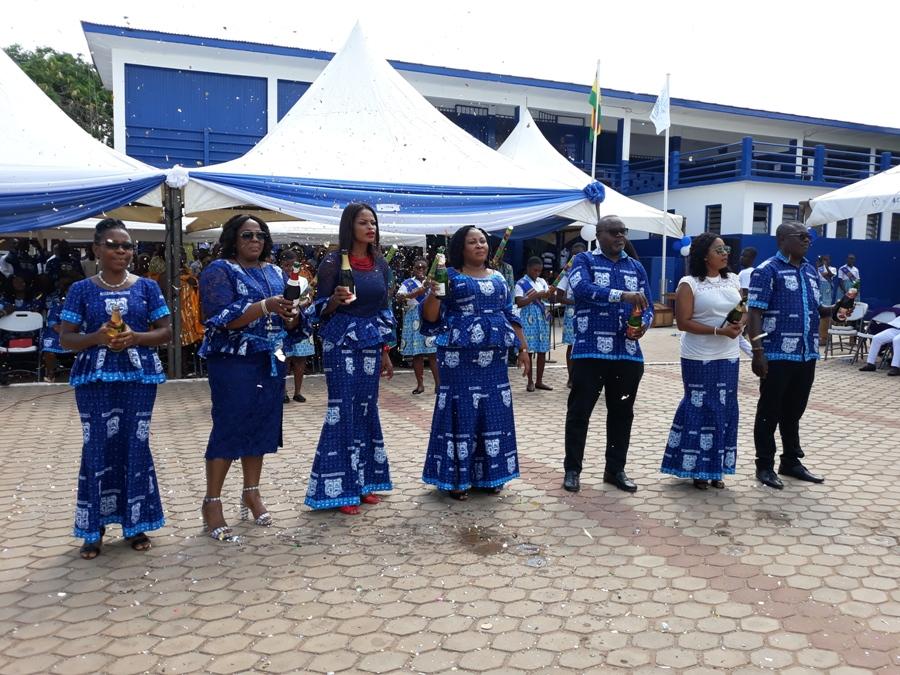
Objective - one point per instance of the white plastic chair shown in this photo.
(849, 332)
(864, 337)
(23, 324)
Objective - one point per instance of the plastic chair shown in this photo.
(22, 326)
(864, 337)
(849, 332)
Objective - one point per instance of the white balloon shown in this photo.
(589, 232)
(685, 251)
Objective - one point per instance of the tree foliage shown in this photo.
(73, 84)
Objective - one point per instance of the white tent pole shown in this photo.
(665, 208)
(596, 120)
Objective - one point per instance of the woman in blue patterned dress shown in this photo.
(115, 382)
(473, 433)
(530, 293)
(564, 297)
(702, 442)
(412, 292)
(246, 319)
(295, 351)
(351, 465)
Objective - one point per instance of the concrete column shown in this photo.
(119, 119)
(271, 103)
(798, 164)
(626, 138)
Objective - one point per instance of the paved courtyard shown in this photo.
(668, 580)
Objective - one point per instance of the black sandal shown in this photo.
(718, 484)
(459, 495)
(700, 484)
(91, 550)
(300, 398)
(418, 390)
(139, 542)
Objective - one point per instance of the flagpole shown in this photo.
(662, 283)
(596, 121)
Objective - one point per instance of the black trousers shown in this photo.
(783, 396)
(620, 379)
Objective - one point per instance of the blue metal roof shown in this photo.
(296, 52)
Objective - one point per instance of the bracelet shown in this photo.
(265, 310)
(756, 349)
(715, 331)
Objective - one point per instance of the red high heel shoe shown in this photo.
(370, 499)
(350, 510)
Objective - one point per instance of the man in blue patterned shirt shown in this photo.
(606, 285)
(785, 308)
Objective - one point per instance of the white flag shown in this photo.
(660, 113)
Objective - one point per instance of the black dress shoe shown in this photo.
(571, 482)
(868, 368)
(800, 472)
(768, 477)
(893, 371)
(621, 480)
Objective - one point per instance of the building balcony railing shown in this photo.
(816, 165)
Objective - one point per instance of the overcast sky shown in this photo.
(825, 59)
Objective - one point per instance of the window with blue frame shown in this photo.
(714, 218)
(790, 212)
(762, 216)
(842, 229)
(873, 225)
(190, 117)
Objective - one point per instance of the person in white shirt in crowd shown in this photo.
(530, 293)
(889, 336)
(748, 257)
(848, 274)
(702, 443)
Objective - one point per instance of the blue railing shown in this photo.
(816, 165)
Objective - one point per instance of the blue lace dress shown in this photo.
(115, 393)
(350, 459)
(245, 365)
(473, 432)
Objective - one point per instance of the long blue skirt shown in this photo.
(568, 336)
(703, 438)
(536, 328)
(473, 433)
(413, 342)
(246, 405)
(350, 461)
(117, 479)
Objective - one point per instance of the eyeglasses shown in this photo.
(722, 250)
(113, 245)
(615, 231)
(259, 235)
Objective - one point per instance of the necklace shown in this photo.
(269, 325)
(106, 283)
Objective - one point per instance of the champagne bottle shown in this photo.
(501, 248)
(440, 276)
(736, 313)
(635, 323)
(346, 278)
(431, 271)
(293, 288)
(116, 325)
(392, 251)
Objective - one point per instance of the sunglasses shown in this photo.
(615, 231)
(722, 250)
(114, 245)
(259, 235)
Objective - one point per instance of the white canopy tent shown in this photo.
(362, 132)
(53, 172)
(527, 146)
(877, 194)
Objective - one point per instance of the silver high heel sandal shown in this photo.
(264, 519)
(222, 533)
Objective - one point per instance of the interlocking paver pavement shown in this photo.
(671, 579)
